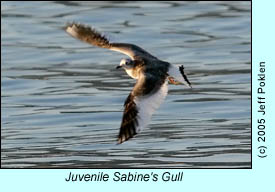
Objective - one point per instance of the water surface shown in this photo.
(62, 100)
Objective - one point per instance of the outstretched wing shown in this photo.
(145, 98)
(91, 36)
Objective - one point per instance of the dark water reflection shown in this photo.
(62, 100)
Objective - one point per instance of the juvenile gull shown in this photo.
(151, 74)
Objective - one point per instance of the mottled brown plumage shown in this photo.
(89, 35)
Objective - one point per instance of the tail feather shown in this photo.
(179, 74)
(181, 69)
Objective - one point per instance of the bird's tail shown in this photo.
(179, 74)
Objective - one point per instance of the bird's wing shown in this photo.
(145, 98)
(91, 36)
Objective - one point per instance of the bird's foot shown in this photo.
(173, 81)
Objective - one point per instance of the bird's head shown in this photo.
(126, 64)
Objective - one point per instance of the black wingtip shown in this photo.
(129, 120)
(127, 132)
(123, 138)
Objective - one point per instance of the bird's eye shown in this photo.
(126, 63)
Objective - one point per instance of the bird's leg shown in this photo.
(173, 81)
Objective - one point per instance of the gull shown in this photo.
(152, 76)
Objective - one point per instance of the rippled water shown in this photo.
(62, 100)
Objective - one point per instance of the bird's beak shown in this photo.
(118, 67)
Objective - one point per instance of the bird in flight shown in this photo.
(151, 76)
